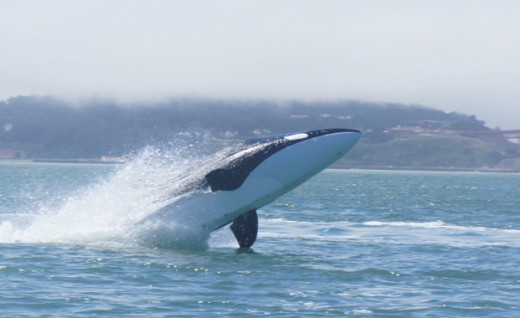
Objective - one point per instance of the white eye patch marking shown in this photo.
(296, 136)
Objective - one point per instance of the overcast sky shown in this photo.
(454, 55)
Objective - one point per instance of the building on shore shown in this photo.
(10, 154)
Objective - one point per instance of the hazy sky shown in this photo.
(454, 55)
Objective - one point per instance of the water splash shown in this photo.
(110, 210)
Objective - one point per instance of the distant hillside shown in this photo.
(395, 135)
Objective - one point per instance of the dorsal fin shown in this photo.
(245, 228)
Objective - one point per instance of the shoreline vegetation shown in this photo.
(395, 136)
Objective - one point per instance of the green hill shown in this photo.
(394, 135)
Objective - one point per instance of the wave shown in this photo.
(405, 233)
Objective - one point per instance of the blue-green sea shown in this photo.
(346, 243)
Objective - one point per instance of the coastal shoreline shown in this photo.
(333, 167)
(426, 169)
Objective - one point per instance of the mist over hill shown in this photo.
(394, 135)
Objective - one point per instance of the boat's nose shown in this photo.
(307, 153)
(288, 157)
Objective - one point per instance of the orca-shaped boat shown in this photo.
(254, 174)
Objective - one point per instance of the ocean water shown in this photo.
(346, 243)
